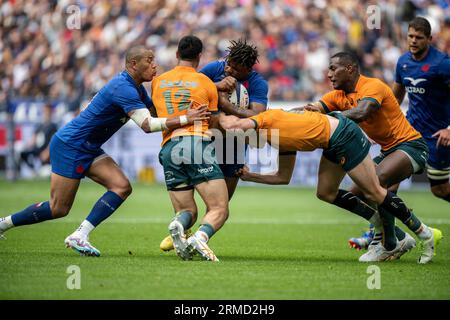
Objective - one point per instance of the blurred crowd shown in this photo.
(67, 50)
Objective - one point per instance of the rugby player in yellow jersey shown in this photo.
(372, 104)
(345, 151)
(187, 153)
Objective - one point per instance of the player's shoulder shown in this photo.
(120, 84)
(439, 57)
(370, 83)
(216, 66)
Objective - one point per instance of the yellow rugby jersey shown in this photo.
(388, 125)
(297, 132)
(172, 92)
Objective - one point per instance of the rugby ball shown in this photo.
(239, 97)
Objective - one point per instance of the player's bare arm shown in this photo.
(149, 124)
(253, 109)
(286, 164)
(399, 92)
(234, 123)
(363, 111)
(312, 106)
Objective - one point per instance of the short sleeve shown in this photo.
(258, 92)
(128, 98)
(329, 101)
(374, 91)
(259, 120)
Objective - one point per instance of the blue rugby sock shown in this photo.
(104, 207)
(35, 213)
(185, 218)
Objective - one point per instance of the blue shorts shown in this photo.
(439, 157)
(69, 162)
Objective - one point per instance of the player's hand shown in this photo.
(244, 173)
(443, 137)
(197, 114)
(227, 84)
(312, 107)
(297, 110)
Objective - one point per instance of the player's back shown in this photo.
(105, 114)
(172, 93)
(306, 131)
(426, 82)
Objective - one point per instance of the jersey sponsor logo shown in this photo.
(415, 82)
(205, 170)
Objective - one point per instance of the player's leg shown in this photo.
(62, 195)
(329, 179)
(186, 214)
(364, 176)
(439, 182)
(107, 173)
(391, 169)
(231, 183)
(63, 188)
(214, 194)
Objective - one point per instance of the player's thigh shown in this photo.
(105, 171)
(364, 176)
(183, 200)
(329, 178)
(394, 168)
(214, 193)
(62, 194)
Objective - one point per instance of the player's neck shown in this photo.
(421, 55)
(137, 80)
(351, 87)
(186, 63)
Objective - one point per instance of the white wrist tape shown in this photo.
(183, 120)
(155, 124)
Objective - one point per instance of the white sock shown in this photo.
(202, 235)
(424, 232)
(85, 228)
(6, 223)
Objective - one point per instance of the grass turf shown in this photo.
(279, 243)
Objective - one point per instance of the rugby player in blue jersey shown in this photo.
(236, 68)
(75, 150)
(424, 72)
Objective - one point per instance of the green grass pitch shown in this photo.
(279, 243)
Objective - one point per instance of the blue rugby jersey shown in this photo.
(105, 114)
(255, 84)
(426, 82)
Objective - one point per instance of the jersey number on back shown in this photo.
(183, 95)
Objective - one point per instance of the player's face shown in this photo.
(418, 42)
(237, 71)
(339, 74)
(147, 66)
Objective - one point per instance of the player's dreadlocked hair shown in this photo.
(242, 53)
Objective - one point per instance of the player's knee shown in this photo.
(326, 196)
(60, 211)
(441, 190)
(123, 189)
